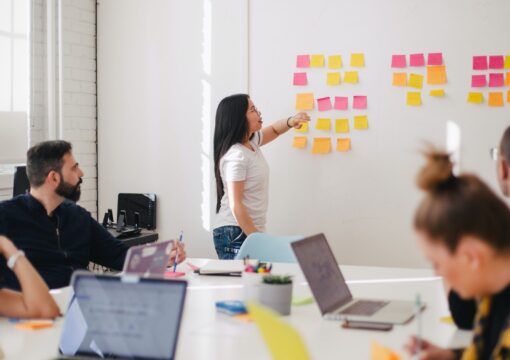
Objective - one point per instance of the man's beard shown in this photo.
(69, 191)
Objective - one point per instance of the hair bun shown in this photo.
(437, 171)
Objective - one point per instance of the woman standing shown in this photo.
(242, 174)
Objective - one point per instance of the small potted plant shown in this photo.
(276, 293)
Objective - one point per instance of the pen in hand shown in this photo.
(177, 252)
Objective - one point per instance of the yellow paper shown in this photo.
(399, 79)
(507, 79)
(317, 61)
(299, 142)
(361, 122)
(333, 78)
(343, 144)
(357, 60)
(335, 61)
(323, 124)
(475, 98)
(342, 125)
(437, 92)
(507, 62)
(495, 99)
(416, 81)
(351, 77)
(303, 128)
(413, 98)
(447, 320)
(383, 353)
(283, 341)
(321, 146)
(304, 101)
(436, 75)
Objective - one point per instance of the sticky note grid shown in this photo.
(491, 73)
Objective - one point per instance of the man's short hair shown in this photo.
(44, 157)
(505, 145)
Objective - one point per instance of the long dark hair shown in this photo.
(231, 128)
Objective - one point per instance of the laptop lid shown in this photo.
(321, 270)
(124, 317)
(148, 259)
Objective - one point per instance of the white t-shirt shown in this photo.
(242, 164)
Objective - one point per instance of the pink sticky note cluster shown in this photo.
(493, 79)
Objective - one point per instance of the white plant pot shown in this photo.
(251, 283)
(276, 296)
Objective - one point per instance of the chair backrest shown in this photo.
(21, 184)
(265, 247)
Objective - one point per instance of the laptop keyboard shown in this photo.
(364, 307)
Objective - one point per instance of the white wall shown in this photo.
(160, 76)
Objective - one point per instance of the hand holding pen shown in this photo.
(180, 252)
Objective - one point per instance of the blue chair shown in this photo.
(271, 248)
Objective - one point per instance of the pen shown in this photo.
(177, 252)
(418, 322)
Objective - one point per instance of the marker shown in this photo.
(418, 322)
(177, 253)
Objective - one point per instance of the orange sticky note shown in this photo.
(304, 101)
(299, 142)
(321, 146)
(34, 325)
(399, 79)
(475, 98)
(357, 60)
(507, 79)
(343, 145)
(303, 128)
(416, 81)
(351, 77)
(342, 125)
(317, 61)
(413, 98)
(333, 78)
(361, 122)
(495, 99)
(436, 75)
(383, 353)
(508, 96)
(335, 61)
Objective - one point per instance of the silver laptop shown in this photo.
(122, 317)
(149, 259)
(332, 293)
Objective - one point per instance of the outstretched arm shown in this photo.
(280, 127)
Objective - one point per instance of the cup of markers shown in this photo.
(252, 278)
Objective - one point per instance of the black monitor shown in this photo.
(144, 204)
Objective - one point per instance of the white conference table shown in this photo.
(205, 334)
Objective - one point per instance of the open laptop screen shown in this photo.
(123, 317)
(322, 272)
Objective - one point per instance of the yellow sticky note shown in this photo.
(323, 124)
(437, 92)
(475, 98)
(299, 142)
(507, 79)
(357, 60)
(321, 146)
(416, 81)
(333, 78)
(283, 341)
(317, 61)
(351, 77)
(335, 61)
(361, 122)
(380, 352)
(343, 144)
(507, 62)
(447, 320)
(413, 98)
(399, 79)
(342, 125)
(436, 75)
(303, 128)
(304, 101)
(495, 99)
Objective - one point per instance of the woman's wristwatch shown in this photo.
(11, 262)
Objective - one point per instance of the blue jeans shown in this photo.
(227, 241)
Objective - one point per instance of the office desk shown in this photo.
(145, 237)
(208, 335)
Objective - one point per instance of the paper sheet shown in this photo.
(341, 102)
(351, 77)
(303, 128)
(437, 93)
(436, 75)
(478, 81)
(399, 79)
(304, 101)
(324, 104)
(343, 144)
(333, 78)
(496, 62)
(300, 78)
(496, 80)
(398, 61)
(357, 60)
(317, 61)
(323, 124)
(335, 61)
(321, 146)
(413, 98)
(303, 61)
(361, 122)
(475, 98)
(299, 142)
(480, 62)
(435, 59)
(416, 81)
(417, 60)
(342, 125)
(359, 102)
(495, 99)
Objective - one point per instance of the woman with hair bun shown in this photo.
(463, 229)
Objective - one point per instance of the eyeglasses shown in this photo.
(494, 152)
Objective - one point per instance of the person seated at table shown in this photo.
(463, 229)
(34, 300)
(57, 235)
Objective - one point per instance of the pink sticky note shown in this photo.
(478, 81)
(479, 62)
(359, 102)
(341, 102)
(398, 61)
(496, 80)
(435, 59)
(324, 104)
(303, 61)
(417, 60)
(300, 78)
(171, 274)
(496, 62)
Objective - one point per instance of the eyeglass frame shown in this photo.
(494, 153)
